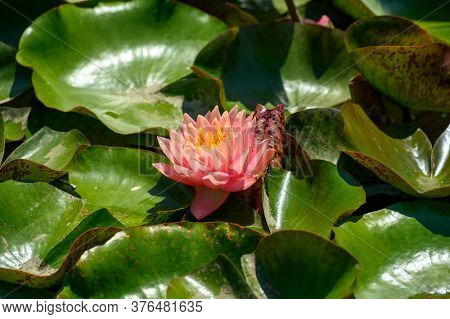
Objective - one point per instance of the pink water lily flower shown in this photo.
(324, 21)
(217, 154)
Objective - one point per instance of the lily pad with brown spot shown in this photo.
(15, 120)
(34, 218)
(43, 157)
(411, 164)
(400, 59)
(432, 15)
(158, 254)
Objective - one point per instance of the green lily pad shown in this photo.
(144, 46)
(33, 219)
(318, 131)
(248, 264)
(431, 15)
(158, 254)
(15, 120)
(296, 264)
(124, 181)
(300, 66)
(44, 156)
(219, 279)
(313, 203)
(411, 164)
(400, 257)
(99, 219)
(13, 78)
(401, 60)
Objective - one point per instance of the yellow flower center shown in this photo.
(210, 139)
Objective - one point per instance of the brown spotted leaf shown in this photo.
(401, 60)
(34, 218)
(411, 164)
(43, 157)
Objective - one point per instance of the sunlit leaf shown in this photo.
(158, 254)
(43, 157)
(144, 46)
(411, 164)
(124, 181)
(313, 203)
(401, 255)
(33, 219)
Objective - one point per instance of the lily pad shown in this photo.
(313, 203)
(318, 131)
(431, 15)
(296, 264)
(219, 279)
(124, 181)
(401, 258)
(44, 156)
(144, 46)
(158, 254)
(248, 264)
(401, 60)
(15, 120)
(411, 164)
(33, 219)
(99, 219)
(13, 78)
(300, 66)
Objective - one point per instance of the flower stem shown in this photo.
(293, 11)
